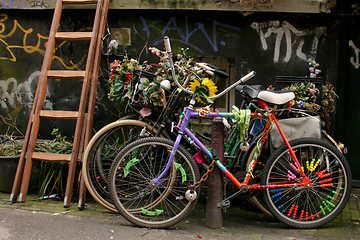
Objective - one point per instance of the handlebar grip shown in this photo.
(211, 68)
(248, 76)
(222, 73)
(167, 44)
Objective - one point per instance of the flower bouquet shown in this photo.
(308, 98)
(147, 88)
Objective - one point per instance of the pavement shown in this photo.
(48, 219)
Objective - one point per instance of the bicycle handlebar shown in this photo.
(212, 69)
(167, 44)
(241, 80)
(206, 67)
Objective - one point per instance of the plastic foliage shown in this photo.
(203, 90)
(121, 80)
(328, 97)
(307, 97)
(144, 88)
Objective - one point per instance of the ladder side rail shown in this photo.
(29, 142)
(93, 94)
(82, 107)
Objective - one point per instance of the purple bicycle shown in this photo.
(154, 182)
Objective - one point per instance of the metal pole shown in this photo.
(214, 215)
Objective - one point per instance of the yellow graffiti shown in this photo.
(38, 47)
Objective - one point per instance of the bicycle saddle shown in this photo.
(274, 97)
(240, 88)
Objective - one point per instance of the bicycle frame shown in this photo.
(151, 187)
(183, 130)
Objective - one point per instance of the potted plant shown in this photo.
(45, 176)
(10, 149)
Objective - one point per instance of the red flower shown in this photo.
(128, 77)
(126, 83)
(127, 80)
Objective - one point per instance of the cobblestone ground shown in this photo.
(47, 219)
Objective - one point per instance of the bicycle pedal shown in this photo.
(224, 204)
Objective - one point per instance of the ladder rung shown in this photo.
(79, 2)
(59, 114)
(66, 74)
(73, 36)
(54, 157)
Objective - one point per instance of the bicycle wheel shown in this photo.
(257, 198)
(132, 189)
(101, 151)
(320, 202)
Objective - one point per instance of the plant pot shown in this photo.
(8, 166)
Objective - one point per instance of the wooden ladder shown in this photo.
(83, 127)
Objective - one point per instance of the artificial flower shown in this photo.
(203, 90)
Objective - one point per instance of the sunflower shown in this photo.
(203, 90)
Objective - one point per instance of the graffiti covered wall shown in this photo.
(348, 115)
(303, 6)
(270, 44)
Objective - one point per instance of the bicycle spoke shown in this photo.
(315, 203)
(132, 177)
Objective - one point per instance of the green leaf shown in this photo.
(205, 98)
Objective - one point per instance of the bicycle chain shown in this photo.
(203, 177)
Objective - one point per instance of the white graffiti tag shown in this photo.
(354, 61)
(266, 29)
(13, 94)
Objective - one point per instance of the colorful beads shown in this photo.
(326, 180)
(326, 185)
(276, 189)
(291, 209)
(312, 166)
(322, 175)
(291, 175)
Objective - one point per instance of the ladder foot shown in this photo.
(21, 198)
(81, 205)
(12, 198)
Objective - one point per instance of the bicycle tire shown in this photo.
(101, 150)
(257, 199)
(131, 183)
(314, 205)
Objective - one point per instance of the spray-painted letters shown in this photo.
(355, 60)
(14, 4)
(293, 37)
(28, 41)
(184, 34)
(13, 94)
